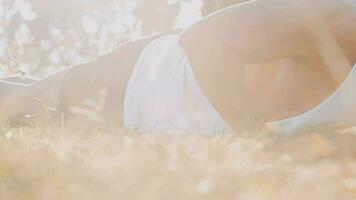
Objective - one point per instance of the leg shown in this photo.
(72, 87)
(23, 102)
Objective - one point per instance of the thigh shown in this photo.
(100, 86)
(24, 101)
(96, 87)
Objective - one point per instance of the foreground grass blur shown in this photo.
(106, 164)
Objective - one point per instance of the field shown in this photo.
(51, 163)
(104, 162)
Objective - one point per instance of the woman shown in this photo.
(258, 61)
(307, 47)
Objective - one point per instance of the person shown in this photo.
(337, 111)
(286, 56)
(254, 62)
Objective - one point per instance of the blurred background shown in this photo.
(39, 37)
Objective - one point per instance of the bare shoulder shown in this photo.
(250, 14)
(247, 27)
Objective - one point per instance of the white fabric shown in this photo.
(162, 95)
(338, 111)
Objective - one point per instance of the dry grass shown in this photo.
(56, 164)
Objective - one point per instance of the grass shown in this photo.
(105, 164)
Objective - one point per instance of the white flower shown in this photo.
(9, 134)
(25, 9)
(90, 25)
